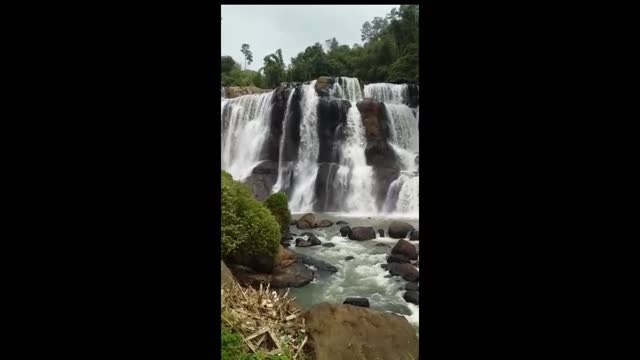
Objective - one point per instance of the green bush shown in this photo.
(233, 348)
(246, 224)
(278, 204)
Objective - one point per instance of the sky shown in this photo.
(291, 28)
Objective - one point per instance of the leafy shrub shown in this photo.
(277, 203)
(246, 224)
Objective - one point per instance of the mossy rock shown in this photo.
(278, 205)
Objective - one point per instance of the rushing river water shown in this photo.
(360, 277)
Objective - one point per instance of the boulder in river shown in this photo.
(328, 244)
(415, 235)
(325, 223)
(407, 271)
(381, 232)
(307, 221)
(340, 331)
(340, 222)
(357, 301)
(406, 249)
(345, 230)
(322, 266)
(348, 258)
(414, 286)
(412, 297)
(399, 229)
(397, 258)
(362, 233)
(300, 242)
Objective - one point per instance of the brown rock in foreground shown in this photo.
(226, 277)
(346, 332)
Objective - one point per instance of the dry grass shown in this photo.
(266, 321)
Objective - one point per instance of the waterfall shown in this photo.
(391, 200)
(350, 88)
(387, 93)
(404, 126)
(244, 127)
(306, 169)
(284, 171)
(409, 197)
(354, 176)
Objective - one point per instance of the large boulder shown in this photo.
(259, 263)
(407, 271)
(294, 275)
(374, 119)
(328, 197)
(262, 178)
(307, 221)
(399, 229)
(235, 91)
(412, 297)
(325, 223)
(345, 230)
(285, 257)
(324, 85)
(398, 259)
(405, 249)
(345, 332)
(332, 119)
(361, 233)
(322, 266)
(415, 235)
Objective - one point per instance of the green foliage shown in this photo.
(248, 55)
(390, 53)
(233, 75)
(233, 348)
(246, 224)
(277, 203)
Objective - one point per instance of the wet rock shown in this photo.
(397, 258)
(325, 223)
(385, 266)
(328, 197)
(348, 258)
(340, 331)
(328, 244)
(412, 297)
(357, 301)
(259, 263)
(331, 122)
(314, 241)
(318, 264)
(413, 286)
(341, 222)
(399, 229)
(383, 245)
(406, 249)
(361, 233)
(345, 230)
(262, 178)
(300, 242)
(307, 221)
(294, 275)
(407, 271)
(415, 235)
(323, 85)
(381, 232)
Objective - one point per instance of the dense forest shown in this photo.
(390, 54)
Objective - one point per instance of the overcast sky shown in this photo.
(291, 28)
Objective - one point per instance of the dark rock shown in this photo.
(413, 95)
(330, 125)
(349, 258)
(374, 120)
(328, 197)
(286, 237)
(325, 223)
(415, 235)
(383, 244)
(383, 177)
(406, 249)
(259, 263)
(385, 266)
(361, 233)
(397, 258)
(357, 301)
(293, 222)
(328, 244)
(413, 286)
(300, 242)
(307, 221)
(345, 230)
(294, 275)
(340, 222)
(412, 297)
(407, 271)
(323, 85)
(318, 264)
(399, 229)
(381, 232)
(262, 178)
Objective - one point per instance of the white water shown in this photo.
(404, 127)
(387, 93)
(354, 174)
(244, 127)
(307, 168)
(409, 197)
(283, 171)
(351, 89)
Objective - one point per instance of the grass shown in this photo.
(233, 348)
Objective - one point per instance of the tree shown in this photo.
(227, 64)
(274, 69)
(248, 56)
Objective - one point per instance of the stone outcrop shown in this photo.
(361, 233)
(399, 229)
(235, 91)
(346, 332)
(262, 178)
(405, 249)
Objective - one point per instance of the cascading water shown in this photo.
(244, 127)
(354, 174)
(387, 93)
(350, 88)
(409, 197)
(284, 171)
(404, 127)
(306, 169)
